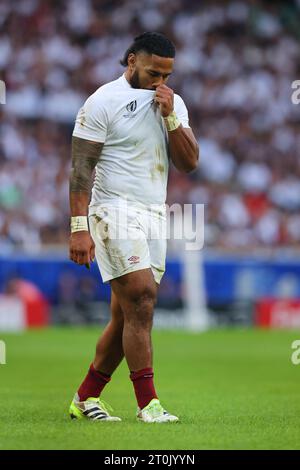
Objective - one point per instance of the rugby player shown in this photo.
(127, 131)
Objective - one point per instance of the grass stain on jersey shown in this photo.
(159, 167)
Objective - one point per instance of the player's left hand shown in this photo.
(164, 96)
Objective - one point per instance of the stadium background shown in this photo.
(234, 67)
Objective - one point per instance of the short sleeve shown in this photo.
(92, 120)
(181, 111)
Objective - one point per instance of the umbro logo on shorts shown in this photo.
(134, 259)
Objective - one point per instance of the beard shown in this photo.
(135, 81)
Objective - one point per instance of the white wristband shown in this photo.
(79, 224)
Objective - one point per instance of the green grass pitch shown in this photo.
(232, 389)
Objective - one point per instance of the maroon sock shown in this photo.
(143, 386)
(93, 384)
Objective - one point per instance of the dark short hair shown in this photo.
(151, 43)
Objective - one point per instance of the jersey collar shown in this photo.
(125, 82)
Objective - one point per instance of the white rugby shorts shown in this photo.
(129, 239)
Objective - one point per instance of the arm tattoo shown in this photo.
(85, 156)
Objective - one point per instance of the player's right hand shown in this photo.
(82, 248)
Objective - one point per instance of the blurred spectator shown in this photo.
(234, 68)
(76, 298)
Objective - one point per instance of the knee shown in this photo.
(143, 297)
(142, 301)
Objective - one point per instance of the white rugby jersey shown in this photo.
(134, 160)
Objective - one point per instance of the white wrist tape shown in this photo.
(79, 224)
(172, 122)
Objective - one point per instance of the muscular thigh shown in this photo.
(133, 288)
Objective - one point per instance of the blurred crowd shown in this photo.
(235, 65)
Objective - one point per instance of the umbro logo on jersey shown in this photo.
(131, 107)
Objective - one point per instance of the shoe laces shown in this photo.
(105, 406)
(102, 404)
(155, 409)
